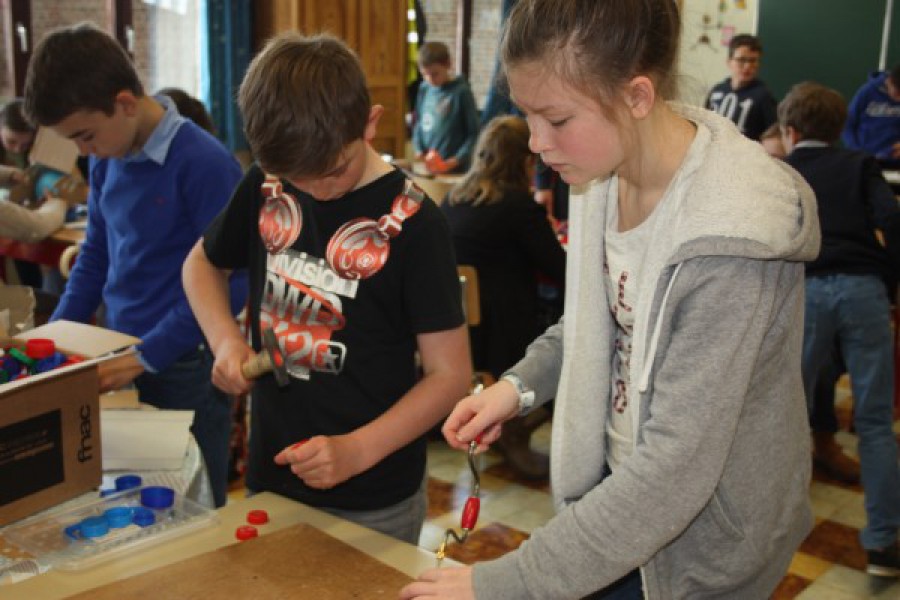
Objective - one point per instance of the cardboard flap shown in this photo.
(17, 306)
(53, 150)
(85, 340)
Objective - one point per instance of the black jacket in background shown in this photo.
(509, 242)
(854, 200)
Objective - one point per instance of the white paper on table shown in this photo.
(144, 439)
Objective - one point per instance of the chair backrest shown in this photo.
(468, 280)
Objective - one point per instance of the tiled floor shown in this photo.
(830, 564)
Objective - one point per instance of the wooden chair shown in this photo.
(468, 281)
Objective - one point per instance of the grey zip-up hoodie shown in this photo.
(713, 501)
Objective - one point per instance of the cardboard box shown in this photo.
(50, 448)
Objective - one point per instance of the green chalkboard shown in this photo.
(834, 42)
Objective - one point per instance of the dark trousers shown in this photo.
(627, 588)
(186, 385)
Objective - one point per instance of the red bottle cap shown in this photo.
(246, 532)
(257, 517)
(38, 348)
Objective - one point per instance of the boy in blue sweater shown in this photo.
(156, 181)
(873, 119)
(446, 117)
(847, 297)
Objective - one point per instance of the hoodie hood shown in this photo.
(735, 202)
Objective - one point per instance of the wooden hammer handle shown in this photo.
(257, 366)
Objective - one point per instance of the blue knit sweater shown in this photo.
(145, 213)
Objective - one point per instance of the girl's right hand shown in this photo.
(481, 414)
(230, 356)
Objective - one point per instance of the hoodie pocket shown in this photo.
(725, 515)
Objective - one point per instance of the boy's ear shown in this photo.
(127, 100)
(640, 96)
(372, 123)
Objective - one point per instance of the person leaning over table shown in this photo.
(156, 181)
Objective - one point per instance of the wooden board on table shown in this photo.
(296, 562)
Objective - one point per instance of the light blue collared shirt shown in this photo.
(157, 145)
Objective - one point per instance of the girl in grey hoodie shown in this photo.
(680, 450)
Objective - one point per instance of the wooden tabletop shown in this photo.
(282, 512)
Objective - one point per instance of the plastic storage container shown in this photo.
(72, 539)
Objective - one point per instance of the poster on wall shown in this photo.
(707, 28)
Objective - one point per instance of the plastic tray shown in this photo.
(45, 537)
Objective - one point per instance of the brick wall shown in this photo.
(167, 35)
(441, 16)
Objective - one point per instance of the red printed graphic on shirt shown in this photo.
(280, 221)
(623, 314)
(302, 303)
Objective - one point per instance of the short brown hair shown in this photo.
(12, 118)
(596, 47)
(815, 111)
(434, 53)
(744, 40)
(303, 100)
(77, 68)
(772, 132)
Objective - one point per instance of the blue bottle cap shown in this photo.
(119, 516)
(143, 517)
(157, 496)
(73, 531)
(127, 482)
(93, 527)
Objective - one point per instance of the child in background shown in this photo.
(18, 222)
(190, 107)
(828, 456)
(742, 97)
(352, 269)
(847, 301)
(16, 137)
(873, 118)
(446, 117)
(156, 181)
(679, 463)
(771, 141)
(499, 229)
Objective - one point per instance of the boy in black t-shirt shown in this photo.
(742, 97)
(352, 267)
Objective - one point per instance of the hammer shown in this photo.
(270, 358)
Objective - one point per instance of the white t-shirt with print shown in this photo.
(625, 252)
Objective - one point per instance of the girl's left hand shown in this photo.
(322, 462)
(450, 583)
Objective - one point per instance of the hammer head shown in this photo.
(276, 356)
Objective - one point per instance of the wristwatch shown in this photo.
(526, 394)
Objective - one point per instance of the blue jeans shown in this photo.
(854, 311)
(186, 385)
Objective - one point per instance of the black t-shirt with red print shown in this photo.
(349, 343)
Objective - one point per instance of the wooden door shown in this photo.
(375, 29)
